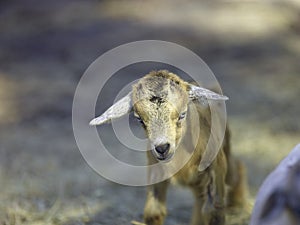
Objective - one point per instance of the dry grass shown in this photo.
(61, 212)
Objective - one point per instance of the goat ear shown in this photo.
(117, 110)
(196, 92)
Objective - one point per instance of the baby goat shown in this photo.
(169, 110)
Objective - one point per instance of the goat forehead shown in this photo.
(156, 112)
(159, 90)
(160, 107)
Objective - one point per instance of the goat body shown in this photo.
(178, 127)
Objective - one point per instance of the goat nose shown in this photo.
(162, 149)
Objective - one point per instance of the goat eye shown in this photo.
(182, 116)
(140, 120)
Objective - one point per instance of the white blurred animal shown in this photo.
(278, 199)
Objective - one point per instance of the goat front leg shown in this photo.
(208, 207)
(210, 195)
(217, 190)
(217, 200)
(155, 208)
(200, 210)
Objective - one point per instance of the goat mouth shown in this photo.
(165, 158)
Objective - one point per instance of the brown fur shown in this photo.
(158, 100)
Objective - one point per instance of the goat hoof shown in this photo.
(154, 220)
(217, 220)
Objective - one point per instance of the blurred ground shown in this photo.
(253, 47)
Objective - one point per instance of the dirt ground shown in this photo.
(253, 48)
